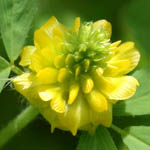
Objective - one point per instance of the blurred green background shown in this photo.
(130, 21)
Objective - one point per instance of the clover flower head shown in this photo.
(74, 76)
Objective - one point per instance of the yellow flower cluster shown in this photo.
(74, 76)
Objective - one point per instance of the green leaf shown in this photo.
(123, 147)
(137, 138)
(139, 104)
(101, 140)
(4, 71)
(15, 19)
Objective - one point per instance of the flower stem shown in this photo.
(117, 129)
(23, 119)
(16, 70)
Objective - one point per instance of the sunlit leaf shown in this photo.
(137, 138)
(15, 19)
(101, 140)
(4, 72)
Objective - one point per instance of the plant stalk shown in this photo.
(14, 126)
(16, 70)
(117, 129)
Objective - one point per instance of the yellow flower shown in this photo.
(75, 75)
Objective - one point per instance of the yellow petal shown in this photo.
(26, 53)
(41, 39)
(48, 93)
(125, 88)
(118, 67)
(76, 25)
(87, 84)
(52, 26)
(97, 101)
(23, 81)
(86, 64)
(99, 71)
(69, 60)
(76, 115)
(105, 26)
(59, 61)
(37, 62)
(63, 74)
(47, 76)
(124, 60)
(52, 32)
(58, 104)
(73, 92)
(48, 54)
(77, 70)
(115, 44)
(119, 88)
(101, 118)
(51, 116)
(41, 59)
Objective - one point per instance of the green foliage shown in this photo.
(101, 140)
(140, 100)
(4, 71)
(123, 147)
(16, 17)
(137, 138)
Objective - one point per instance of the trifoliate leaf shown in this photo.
(139, 104)
(4, 71)
(15, 20)
(101, 140)
(137, 138)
